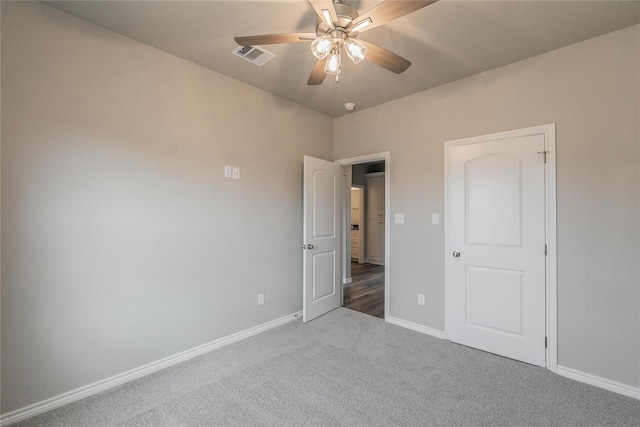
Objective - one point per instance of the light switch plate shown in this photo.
(435, 219)
(227, 171)
(399, 218)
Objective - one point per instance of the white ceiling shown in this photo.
(445, 41)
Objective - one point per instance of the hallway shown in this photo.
(365, 293)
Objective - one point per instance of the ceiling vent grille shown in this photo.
(255, 55)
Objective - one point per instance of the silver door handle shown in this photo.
(456, 254)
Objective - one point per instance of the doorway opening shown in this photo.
(366, 234)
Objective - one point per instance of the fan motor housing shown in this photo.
(345, 13)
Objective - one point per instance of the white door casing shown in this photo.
(497, 212)
(321, 237)
(386, 157)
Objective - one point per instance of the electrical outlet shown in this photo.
(236, 173)
(420, 299)
(260, 299)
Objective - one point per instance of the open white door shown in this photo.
(321, 237)
(496, 244)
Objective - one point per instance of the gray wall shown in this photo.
(122, 243)
(591, 91)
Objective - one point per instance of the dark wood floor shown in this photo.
(365, 293)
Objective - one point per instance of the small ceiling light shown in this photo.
(327, 17)
(333, 65)
(349, 106)
(360, 25)
(321, 46)
(355, 49)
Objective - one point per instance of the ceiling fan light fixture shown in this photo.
(333, 65)
(321, 46)
(337, 26)
(356, 50)
(360, 25)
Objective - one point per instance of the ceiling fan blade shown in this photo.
(320, 5)
(388, 11)
(385, 58)
(317, 74)
(274, 38)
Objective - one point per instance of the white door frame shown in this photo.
(549, 132)
(386, 156)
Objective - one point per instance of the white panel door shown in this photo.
(321, 238)
(496, 244)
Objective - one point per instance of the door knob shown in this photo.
(456, 254)
(309, 246)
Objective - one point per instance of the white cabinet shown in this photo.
(356, 223)
(375, 214)
(355, 206)
(355, 244)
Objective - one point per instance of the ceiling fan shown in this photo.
(338, 27)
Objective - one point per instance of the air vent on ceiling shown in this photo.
(255, 55)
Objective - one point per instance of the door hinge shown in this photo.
(545, 342)
(544, 154)
(545, 250)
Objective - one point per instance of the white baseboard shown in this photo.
(97, 387)
(573, 374)
(347, 281)
(604, 383)
(416, 327)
